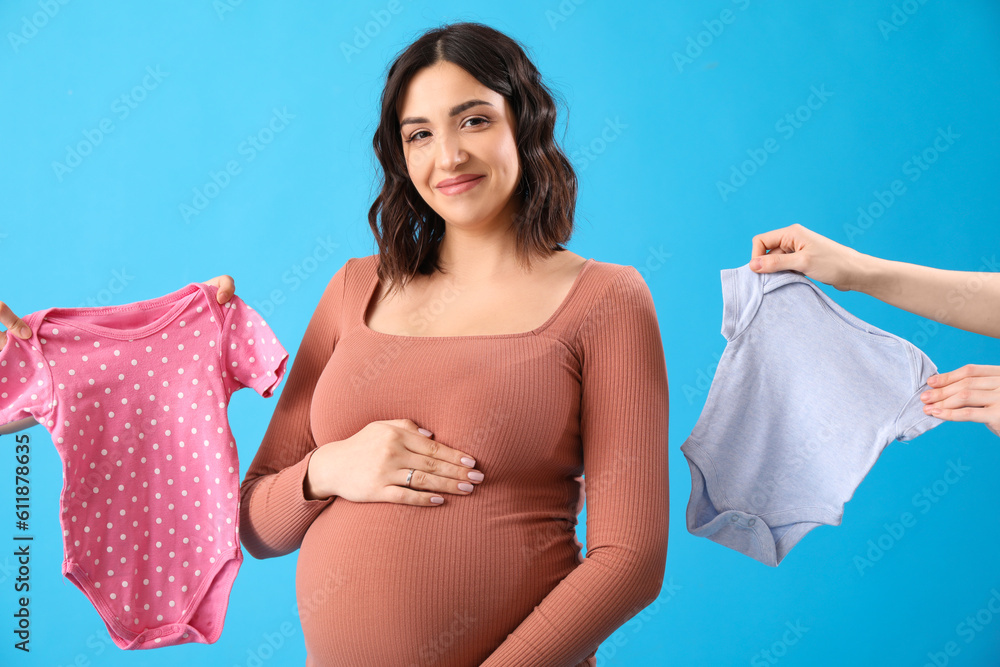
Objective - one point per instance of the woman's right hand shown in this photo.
(373, 464)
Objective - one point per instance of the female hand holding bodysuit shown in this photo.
(14, 324)
(963, 299)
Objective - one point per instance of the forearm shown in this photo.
(275, 512)
(317, 484)
(968, 300)
(19, 425)
(580, 613)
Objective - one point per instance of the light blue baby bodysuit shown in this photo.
(805, 398)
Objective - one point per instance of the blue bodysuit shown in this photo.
(805, 398)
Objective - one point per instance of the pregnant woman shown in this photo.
(426, 454)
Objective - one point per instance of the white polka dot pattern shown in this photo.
(135, 398)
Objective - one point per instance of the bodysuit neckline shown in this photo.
(82, 317)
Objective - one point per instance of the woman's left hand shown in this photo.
(970, 393)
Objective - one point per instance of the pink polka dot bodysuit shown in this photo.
(135, 398)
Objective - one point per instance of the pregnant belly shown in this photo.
(384, 584)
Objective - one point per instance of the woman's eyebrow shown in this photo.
(455, 110)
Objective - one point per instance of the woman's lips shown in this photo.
(459, 188)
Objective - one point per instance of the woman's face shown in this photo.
(452, 126)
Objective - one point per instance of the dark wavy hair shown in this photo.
(411, 231)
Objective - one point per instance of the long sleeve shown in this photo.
(274, 512)
(623, 422)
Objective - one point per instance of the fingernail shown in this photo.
(24, 331)
(923, 396)
(437, 500)
(424, 431)
(754, 263)
(476, 476)
(936, 411)
(465, 486)
(469, 462)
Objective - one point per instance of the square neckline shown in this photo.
(370, 295)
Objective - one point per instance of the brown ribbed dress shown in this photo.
(495, 578)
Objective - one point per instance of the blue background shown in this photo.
(651, 136)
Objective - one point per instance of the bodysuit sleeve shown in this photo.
(912, 420)
(25, 381)
(742, 290)
(252, 356)
(274, 512)
(623, 422)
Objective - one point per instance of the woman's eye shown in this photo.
(416, 135)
